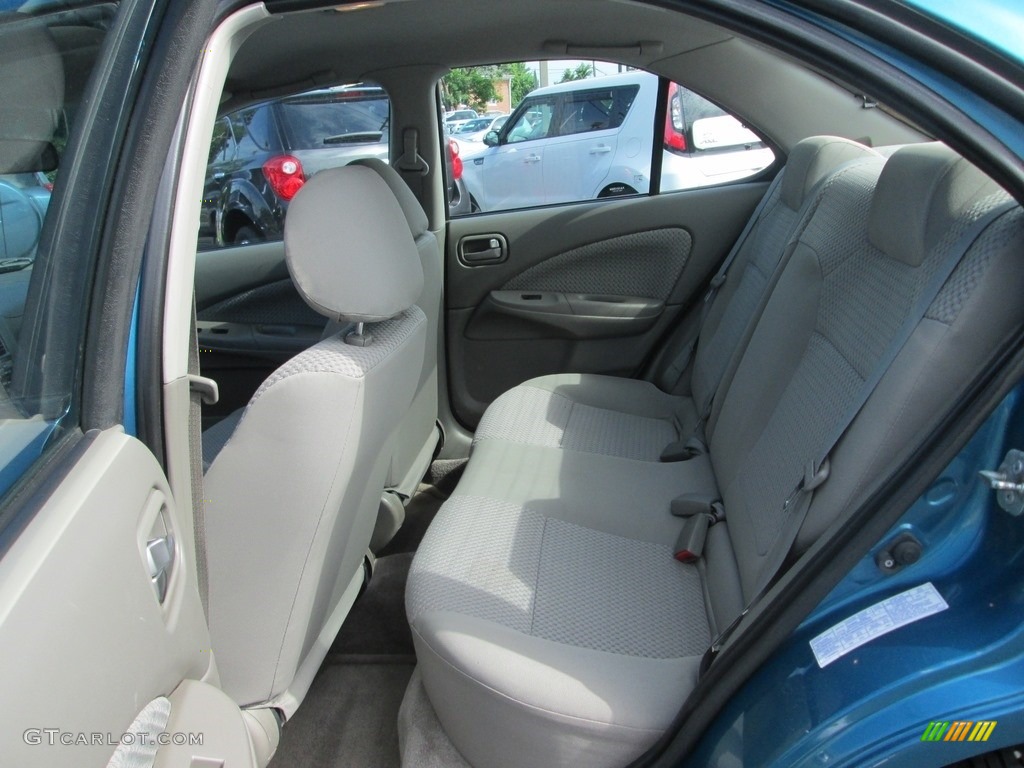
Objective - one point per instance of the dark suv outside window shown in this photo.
(261, 156)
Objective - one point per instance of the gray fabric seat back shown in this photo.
(858, 268)
(810, 170)
(418, 434)
(292, 497)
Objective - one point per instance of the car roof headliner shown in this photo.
(295, 51)
(347, 46)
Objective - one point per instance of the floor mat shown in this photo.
(376, 626)
(348, 720)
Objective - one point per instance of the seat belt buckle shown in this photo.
(690, 504)
(683, 451)
(690, 543)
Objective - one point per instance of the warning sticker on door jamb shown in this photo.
(877, 620)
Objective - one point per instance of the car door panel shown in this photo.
(77, 597)
(249, 320)
(586, 288)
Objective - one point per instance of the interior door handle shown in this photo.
(600, 149)
(476, 250)
(531, 159)
(159, 560)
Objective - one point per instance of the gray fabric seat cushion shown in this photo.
(590, 413)
(574, 643)
(607, 493)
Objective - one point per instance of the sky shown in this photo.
(558, 66)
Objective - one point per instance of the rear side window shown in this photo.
(260, 156)
(705, 145)
(591, 134)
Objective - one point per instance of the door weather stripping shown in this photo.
(1008, 482)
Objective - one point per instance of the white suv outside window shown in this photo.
(592, 138)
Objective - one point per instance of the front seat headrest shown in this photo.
(411, 207)
(349, 249)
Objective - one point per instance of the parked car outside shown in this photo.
(261, 156)
(457, 196)
(587, 139)
(453, 120)
(470, 134)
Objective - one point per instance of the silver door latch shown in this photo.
(1008, 482)
(160, 559)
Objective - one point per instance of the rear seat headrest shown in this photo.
(348, 249)
(811, 160)
(921, 190)
(410, 205)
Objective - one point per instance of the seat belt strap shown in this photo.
(798, 503)
(685, 355)
(723, 271)
(195, 449)
(817, 472)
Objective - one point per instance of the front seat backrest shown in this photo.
(292, 497)
(418, 433)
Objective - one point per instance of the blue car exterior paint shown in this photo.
(871, 706)
(130, 401)
(998, 23)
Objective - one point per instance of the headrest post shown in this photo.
(357, 338)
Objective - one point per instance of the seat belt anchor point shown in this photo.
(208, 391)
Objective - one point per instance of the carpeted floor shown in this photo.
(349, 718)
(376, 626)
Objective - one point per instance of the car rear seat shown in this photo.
(553, 625)
(635, 419)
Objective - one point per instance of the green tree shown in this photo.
(582, 72)
(523, 81)
(473, 86)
